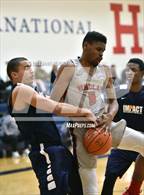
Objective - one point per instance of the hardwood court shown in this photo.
(25, 183)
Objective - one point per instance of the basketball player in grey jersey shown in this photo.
(84, 82)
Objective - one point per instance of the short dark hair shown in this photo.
(13, 64)
(137, 61)
(93, 36)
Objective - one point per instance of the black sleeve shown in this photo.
(118, 116)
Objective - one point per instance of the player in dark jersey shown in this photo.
(53, 164)
(131, 108)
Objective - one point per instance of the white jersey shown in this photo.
(92, 89)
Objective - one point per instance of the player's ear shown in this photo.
(14, 75)
(85, 45)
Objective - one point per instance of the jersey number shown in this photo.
(92, 98)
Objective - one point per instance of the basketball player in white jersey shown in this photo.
(83, 82)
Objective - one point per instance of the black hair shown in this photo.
(93, 36)
(137, 61)
(12, 65)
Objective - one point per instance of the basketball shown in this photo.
(97, 141)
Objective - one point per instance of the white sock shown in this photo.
(89, 181)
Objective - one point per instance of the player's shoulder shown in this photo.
(67, 68)
(68, 63)
(22, 87)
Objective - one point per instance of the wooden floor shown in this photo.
(25, 183)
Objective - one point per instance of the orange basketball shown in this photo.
(97, 141)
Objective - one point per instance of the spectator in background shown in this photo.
(123, 76)
(4, 92)
(40, 73)
(41, 78)
(53, 75)
(9, 136)
(3, 84)
(115, 78)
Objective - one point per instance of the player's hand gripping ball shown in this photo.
(97, 141)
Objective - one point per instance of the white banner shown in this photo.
(52, 31)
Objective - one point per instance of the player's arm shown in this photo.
(64, 76)
(24, 96)
(111, 99)
(112, 104)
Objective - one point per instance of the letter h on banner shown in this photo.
(126, 29)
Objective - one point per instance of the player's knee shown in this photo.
(117, 131)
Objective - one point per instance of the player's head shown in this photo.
(19, 70)
(136, 65)
(94, 44)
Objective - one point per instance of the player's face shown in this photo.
(25, 73)
(94, 52)
(134, 69)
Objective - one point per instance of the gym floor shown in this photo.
(17, 177)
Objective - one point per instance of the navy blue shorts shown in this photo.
(119, 161)
(60, 175)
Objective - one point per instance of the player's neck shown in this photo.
(87, 66)
(136, 87)
(84, 62)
